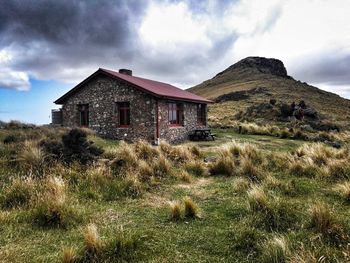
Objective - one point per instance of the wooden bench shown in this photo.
(202, 135)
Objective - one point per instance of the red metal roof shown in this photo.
(156, 88)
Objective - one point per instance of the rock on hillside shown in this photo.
(263, 65)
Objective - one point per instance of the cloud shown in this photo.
(9, 78)
(183, 42)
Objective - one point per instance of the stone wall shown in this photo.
(102, 93)
(176, 134)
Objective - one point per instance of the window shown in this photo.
(175, 114)
(201, 114)
(123, 114)
(83, 110)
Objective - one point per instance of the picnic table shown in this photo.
(202, 134)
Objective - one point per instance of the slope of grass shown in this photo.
(121, 209)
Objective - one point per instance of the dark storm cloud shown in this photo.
(51, 38)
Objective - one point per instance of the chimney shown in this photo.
(125, 71)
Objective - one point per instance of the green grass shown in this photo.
(141, 226)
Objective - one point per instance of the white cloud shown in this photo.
(9, 78)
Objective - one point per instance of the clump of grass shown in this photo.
(161, 167)
(185, 176)
(132, 185)
(121, 247)
(257, 199)
(245, 237)
(343, 189)
(195, 150)
(241, 184)
(197, 167)
(275, 250)
(69, 255)
(248, 169)
(145, 171)
(338, 169)
(51, 208)
(33, 158)
(145, 151)
(191, 209)
(322, 220)
(223, 165)
(18, 194)
(272, 182)
(126, 158)
(175, 210)
(302, 167)
(92, 243)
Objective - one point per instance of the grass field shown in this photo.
(255, 199)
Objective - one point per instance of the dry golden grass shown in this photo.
(343, 189)
(161, 167)
(191, 209)
(275, 250)
(19, 193)
(92, 240)
(175, 210)
(257, 199)
(248, 169)
(223, 165)
(241, 184)
(184, 176)
(69, 255)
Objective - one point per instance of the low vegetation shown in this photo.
(70, 196)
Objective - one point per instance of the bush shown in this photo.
(78, 148)
(12, 138)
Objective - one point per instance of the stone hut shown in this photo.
(120, 106)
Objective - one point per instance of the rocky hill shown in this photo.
(257, 89)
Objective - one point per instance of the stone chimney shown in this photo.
(125, 71)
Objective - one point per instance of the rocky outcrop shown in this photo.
(263, 65)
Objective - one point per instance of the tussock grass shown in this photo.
(343, 189)
(323, 221)
(191, 209)
(132, 185)
(248, 169)
(197, 168)
(69, 255)
(18, 194)
(161, 167)
(184, 176)
(145, 151)
(146, 171)
(241, 184)
(33, 158)
(51, 209)
(175, 210)
(223, 165)
(257, 199)
(275, 250)
(92, 240)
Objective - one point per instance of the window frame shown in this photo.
(124, 111)
(84, 114)
(201, 114)
(175, 114)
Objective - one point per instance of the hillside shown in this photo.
(256, 80)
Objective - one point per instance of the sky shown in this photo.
(49, 46)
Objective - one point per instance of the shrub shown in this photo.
(78, 148)
(191, 209)
(19, 193)
(275, 250)
(12, 138)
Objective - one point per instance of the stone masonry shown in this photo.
(102, 94)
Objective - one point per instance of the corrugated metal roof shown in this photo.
(156, 88)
